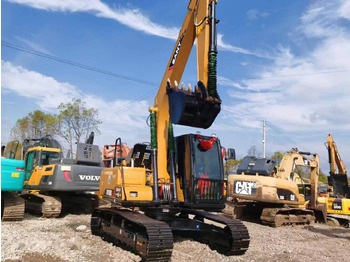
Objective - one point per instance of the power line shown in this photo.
(146, 95)
(280, 133)
(65, 61)
(128, 105)
(142, 81)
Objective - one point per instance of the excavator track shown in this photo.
(277, 217)
(232, 240)
(149, 238)
(47, 206)
(12, 206)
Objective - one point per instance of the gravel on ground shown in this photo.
(69, 239)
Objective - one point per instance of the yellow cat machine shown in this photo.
(171, 185)
(282, 196)
(338, 201)
(55, 183)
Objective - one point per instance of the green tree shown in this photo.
(13, 150)
(322, 177)
(76, 122)
(35, 124)
(252, 151)
(232, 165)
(277, 156)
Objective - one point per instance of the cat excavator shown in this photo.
(171, 185)
(338, 200)
(283, 196)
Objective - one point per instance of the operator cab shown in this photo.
(200, 171)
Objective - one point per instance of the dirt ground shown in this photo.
(69, 239)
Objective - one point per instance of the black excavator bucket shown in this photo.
(189, 108)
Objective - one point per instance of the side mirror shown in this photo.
(230, 154)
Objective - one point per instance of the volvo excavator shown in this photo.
(338, 200)
(283, 196)
(54, 183)
(172, 184)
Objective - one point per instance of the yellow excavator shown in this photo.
(170, 185)
(53, 183)
(282, 196)
(338, 200)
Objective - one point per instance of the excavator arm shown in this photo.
(336, 164)
(338, 174)
(196, 107)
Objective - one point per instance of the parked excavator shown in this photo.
(111, 154)
(338, 200)
(171, 185)
(54, 182)
(283, 196)
(12, 180)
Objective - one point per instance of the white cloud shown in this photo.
(132, 18)
(47, 92)
(254, 14)
(344, 9)
(227, 47)
(119, 117)
(322, 17)
(303, 93)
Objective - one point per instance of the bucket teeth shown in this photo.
(190, 89)
(196, 89)
(183, 89)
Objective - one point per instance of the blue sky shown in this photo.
(286, 62)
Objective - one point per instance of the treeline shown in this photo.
(73, 123)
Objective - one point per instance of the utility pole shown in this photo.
(264, 138)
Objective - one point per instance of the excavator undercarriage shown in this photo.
(277, 217)
(51, 206)
(151, 234)
(12, 206)
(271, 215)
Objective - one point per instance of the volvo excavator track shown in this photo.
(53, 206)
(277, 217)
(152, 239)
(47, 206)
(12, 206)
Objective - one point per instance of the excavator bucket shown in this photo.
(190, 108)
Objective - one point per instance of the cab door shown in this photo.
(31, 165)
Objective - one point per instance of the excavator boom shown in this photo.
(174, 181)
(335, 162)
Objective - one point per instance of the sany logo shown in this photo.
(173, 60)
(89, 178)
